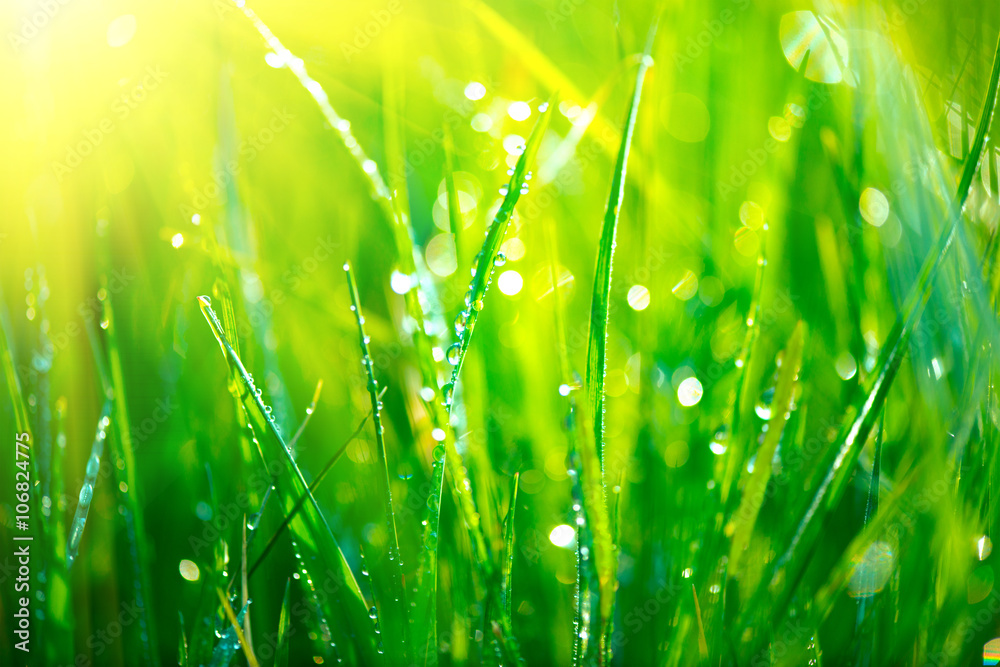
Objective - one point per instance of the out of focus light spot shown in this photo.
(795, 115)
(542, 282)
(871, 571)
(779, 128)
(686, 287)
(513, 249)
(980, 584)
(687, 573)
(189, 570)
(438, 434)
(121, 31)
(846, 366)
(274, 60)
(481, 122)
(513, 144)
(519, 111)
(441, 255)
(203, 511)
(991, 652)
(689, 392)
(984, 547)
(475, 91)
(399, 282)
(638, 297)
(555, 464)
(936, 367)
(510, 282)
(801, 33)
(427, 394)
(676, 454)
(178, 240)
(196, 219)
(746, 242)
(369, 166)
(874, 207)
(563, 536)
(752, 215)
(687, 118)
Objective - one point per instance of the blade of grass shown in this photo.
(425, 603)
(395, 623)
(867, 406)
(312, 490)
(241, 640)
(88, 487)
(597, 344)
(281, 652)
(592, 450)
(504, 629)
(421, 283)
(319, 553)
(742, 524)
(182, 645)
(484, 263)
(123, 452)
(309, 413)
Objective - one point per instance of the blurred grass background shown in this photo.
(155, 152)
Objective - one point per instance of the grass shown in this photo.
(729, 398)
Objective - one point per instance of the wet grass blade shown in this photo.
(601, 301)
(485, 261)
(503, 630)
(868, 405)
(508, 558)
(182, 644)
(394, 609)
(234, 637)
(123, 453)
(425, 596)
(591, 443)
(281, 652)
(89, 486)
(319, 553)
(302, 499)
(368, 167)
(742, 525)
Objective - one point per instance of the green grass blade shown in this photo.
(182, 645)
(320, 555)
(425, 596)
(867, 407)
(89, 485)
(393, 608)
(597, 345)
(304, 498)
(231, 640)
(123, 451)
(591, 454)
(484, 263)
(379, 189)
(284, 622)
(745, 519)
(508, 558)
